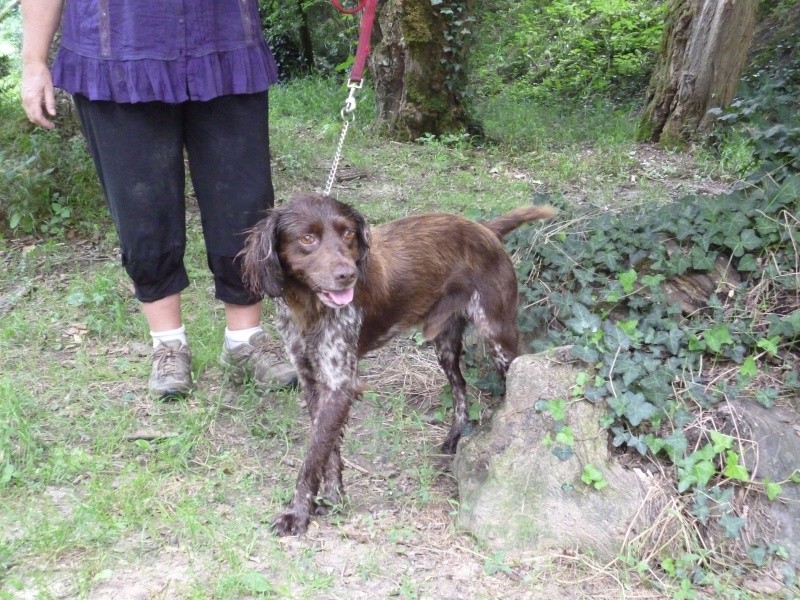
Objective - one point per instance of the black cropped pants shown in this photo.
(138, 150)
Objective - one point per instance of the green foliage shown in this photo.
(767, 122)
(594, 477)
(333, 36)
(458, 24)
(47, 181)
(565, 48)
(760, 132)
(600, 287)
(496, 563)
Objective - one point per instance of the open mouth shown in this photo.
(336, 298)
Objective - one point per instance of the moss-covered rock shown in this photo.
(520, 490)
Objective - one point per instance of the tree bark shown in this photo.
(703, 53)
(417, 66)
(306, 45)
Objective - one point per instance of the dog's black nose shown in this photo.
(344, 273)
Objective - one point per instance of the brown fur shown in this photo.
(439, 271)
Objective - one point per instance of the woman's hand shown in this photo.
(39, 24)
(38, 94)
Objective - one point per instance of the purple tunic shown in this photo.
(162, 50)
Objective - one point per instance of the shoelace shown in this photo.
(167, 360)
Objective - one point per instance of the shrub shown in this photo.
(540, 50)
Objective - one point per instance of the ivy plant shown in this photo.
(601, 287)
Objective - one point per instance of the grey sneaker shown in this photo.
(172, 370)
(258, 361)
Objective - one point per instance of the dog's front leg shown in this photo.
(331, 349)
(332, 411)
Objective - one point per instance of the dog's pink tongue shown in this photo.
(342, 297)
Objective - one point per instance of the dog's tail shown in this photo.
(505, 224)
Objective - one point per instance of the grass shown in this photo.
(105, 490)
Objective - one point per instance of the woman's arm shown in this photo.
(40, 19)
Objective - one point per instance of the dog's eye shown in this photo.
(307, 239)
(349, 235)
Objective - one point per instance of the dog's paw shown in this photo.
(291, 522)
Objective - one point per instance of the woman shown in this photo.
(150, 79)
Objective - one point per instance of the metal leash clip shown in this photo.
(350, 102)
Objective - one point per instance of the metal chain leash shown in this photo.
(348, 116)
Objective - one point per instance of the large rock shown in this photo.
(771, 450)
(515, 493)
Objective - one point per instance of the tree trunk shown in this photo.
(417, 66)
(306, 45)
(703, 53)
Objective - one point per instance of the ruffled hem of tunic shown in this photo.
(245, 70)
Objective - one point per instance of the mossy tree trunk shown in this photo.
(417, 66)
(702, 55)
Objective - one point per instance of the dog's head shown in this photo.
(315, 241)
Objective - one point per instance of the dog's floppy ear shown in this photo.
(261, 265)
(364, 240)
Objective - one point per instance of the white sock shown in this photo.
(237, 337)
(170, 335)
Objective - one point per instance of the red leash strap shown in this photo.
(348, 11)
(364, 34)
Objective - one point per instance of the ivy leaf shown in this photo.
(748, 370)
(758, 554)
(595, 394)
(747, 264)
(772, 489)
(557, 408)
(657, 386)
(733, 469)
(674, 340)
(583, 319)
(718, 336)
(617, 404)
(720, 442)
(565, 437)
(750, 240)
(732, 525)
(674, 445)
(652, 281)
(637, 409)
(584, 353)
(629, 327)
(615, 337)
(703, 471)
(701, 511)
(627, 279)
(786, 327)
(680, 263)
(631, 371)
(637, 443)
(563, 452)
(769, 345)
(620, 436)
(766, 397)
(702, 260)
(593, 476)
